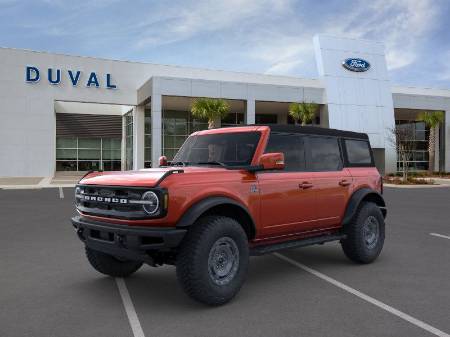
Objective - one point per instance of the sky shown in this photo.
(262, 36)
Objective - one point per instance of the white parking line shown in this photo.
(129, 308)
(440, 236)
(61, 193)
(366, 298)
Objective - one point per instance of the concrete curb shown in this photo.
(33, 187)
(414, 186)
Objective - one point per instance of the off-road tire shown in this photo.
(194, 257)
(355, 246)
(109, 265)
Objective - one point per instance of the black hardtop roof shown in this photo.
(316, 130)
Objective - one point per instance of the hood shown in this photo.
(145, 178)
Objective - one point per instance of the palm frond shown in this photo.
(210, 109)
(303, 111)
(431, 119)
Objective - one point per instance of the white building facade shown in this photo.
(70, 113)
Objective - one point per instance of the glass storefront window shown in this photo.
(148, 139)
(233, 119)
(128, 140)
(64, 154)
(419, 160)
(84, 154)
(89, 143)
(177, 126)
(66, 143)
(266, 119)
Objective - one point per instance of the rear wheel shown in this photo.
(212, 260)
(110, 265)
(365, 234)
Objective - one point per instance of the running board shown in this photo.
(266, 249)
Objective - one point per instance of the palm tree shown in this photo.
(432, 120)
(210, 109)
(303, 111)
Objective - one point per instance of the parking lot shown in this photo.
(47, 288)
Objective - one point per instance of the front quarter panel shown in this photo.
(185, 190)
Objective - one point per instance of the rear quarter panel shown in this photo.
(365, 177)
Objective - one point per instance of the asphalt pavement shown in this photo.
(47, 287)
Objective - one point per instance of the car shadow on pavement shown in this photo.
(158, 288)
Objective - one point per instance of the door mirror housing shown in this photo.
(163, 161)
(272, 161)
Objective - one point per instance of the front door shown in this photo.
(287, 196)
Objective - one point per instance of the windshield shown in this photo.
(225, 149)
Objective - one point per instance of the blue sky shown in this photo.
(264, 36)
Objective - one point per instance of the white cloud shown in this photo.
(199, 17)
(399, 24)
(272, 36)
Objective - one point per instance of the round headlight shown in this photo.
(150, 202)
(77, 193)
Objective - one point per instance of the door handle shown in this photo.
(344, 182)
(305, 185)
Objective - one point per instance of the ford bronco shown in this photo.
(230, 193)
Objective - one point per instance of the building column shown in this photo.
(283, 118)
(156, 106)
(123, 156)
(138, 137)
(250, 111)
(447, 141)
(437, 150)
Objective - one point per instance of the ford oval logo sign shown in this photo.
(355, 64)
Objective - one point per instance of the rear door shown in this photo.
(287, 196)
(332, 182)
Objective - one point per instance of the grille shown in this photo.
(112, 202)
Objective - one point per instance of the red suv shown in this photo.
(230, 193)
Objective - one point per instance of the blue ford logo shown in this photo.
(355, 64)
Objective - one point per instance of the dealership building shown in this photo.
(68, 113)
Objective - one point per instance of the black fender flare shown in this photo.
(204, 205)
(363, 194)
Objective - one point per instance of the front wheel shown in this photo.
(110, 265)
(365, 234)
(212, 260)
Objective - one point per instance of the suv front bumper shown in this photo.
(128, 242)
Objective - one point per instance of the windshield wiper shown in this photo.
(178, 163)
(211, 162)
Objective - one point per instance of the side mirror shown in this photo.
(163, 161)
(272, 161)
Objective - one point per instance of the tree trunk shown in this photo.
(405, 168)
(211, 124)
(431, 150)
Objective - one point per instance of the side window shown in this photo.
(292, 147)
(323, 154)
(358, 152)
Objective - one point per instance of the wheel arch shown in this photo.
(359, 196)
(219, 205)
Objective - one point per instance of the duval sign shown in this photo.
(75, 77)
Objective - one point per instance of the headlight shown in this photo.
(77, 194)
(150, 202)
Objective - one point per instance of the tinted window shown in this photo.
(230, 149)
(291, 146)
(358, 151)
(324, 154)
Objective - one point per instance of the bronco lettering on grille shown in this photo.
(104, 199)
